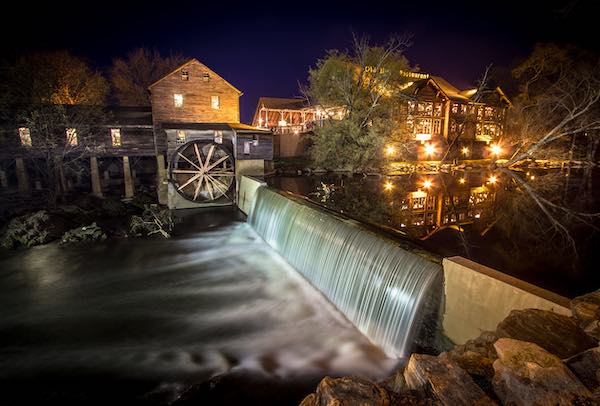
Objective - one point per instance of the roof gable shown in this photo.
(203, 66)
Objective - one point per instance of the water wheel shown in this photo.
(202, 171)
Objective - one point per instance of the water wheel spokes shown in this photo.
(202, 171)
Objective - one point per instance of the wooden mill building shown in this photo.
(191, 136)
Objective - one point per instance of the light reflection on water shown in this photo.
(483, 215)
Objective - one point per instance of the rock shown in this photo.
(309, 400)
(560, 335)
(476, 356)
(586, 309)
(347, 391)
(444, 381)
(587, 367)
(526, 374)
(86, 233)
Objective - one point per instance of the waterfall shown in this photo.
(377, 285)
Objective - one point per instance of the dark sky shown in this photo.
(266, 48)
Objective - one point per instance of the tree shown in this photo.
(131, 76)
(556, 111)
(51, 94)
(559, 101)
(363, 87)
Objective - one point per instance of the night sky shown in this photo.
(265, 49)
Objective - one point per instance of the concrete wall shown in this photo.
(477, 298)
(246, 191)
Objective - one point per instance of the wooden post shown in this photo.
(127, 178)
(161, 179)
(95, 175)
(3, 179)
(22, 178)
(446, 119)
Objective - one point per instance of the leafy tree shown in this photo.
(131, 76)
(49, 93)
(363, 87)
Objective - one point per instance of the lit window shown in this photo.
(455, 107)
(411, 106)
(115, 137)
(218, 136)
(424, 126)
(25, 136)
(463, 108)
(181, 137)
(437, 109)
(72, 136)
(437, 126)
(205, 76)
(215, 103)
(185, 76)
(178, 99)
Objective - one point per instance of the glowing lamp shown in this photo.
(388, 185)
(465, 151)
(462, 181)
(282, 123)
(493, 179)
(532, 177)
(427, 184)
(496, 149)
(390, 150)
(429, 149)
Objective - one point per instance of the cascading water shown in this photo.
(373, 282)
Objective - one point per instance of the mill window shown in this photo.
(215, 103)
(115, 137)
(178, 100)
(72, 137)
(25, 136)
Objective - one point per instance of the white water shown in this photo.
(169, 312)
(375, 284)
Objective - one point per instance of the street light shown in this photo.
(429, 149)
(496, 149)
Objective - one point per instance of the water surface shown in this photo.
(138, 321)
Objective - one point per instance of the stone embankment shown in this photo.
(535, 357)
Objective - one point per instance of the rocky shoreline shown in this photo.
(535, 357)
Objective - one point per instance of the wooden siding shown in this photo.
(135, 141)
(197, 94)
(264, 149)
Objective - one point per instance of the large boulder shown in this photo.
(444, 381)
(526, 374)
(476, 356)
(347, 391)
(587, 367)
(586, 309)
(558, 334)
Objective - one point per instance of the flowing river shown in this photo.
(139, 321)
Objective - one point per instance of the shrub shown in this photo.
(87, 233)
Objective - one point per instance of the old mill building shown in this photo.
(441, 118)
(191, 138)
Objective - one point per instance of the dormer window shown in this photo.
(178, 100)
(25, 136)
(185, 76)
(206, 76)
